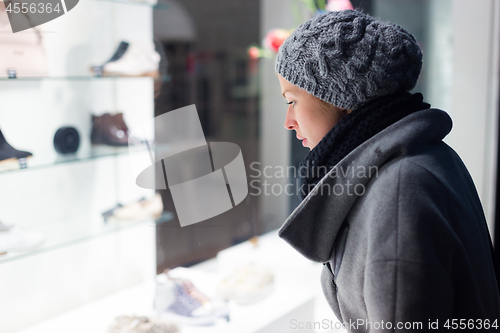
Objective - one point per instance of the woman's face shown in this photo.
(306, 115)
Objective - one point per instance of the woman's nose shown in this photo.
(290, 122)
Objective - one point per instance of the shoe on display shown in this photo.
(179, 300)
(11, 158)
(134, 324)
(247, 284)
(111, 130)
(120, 51)
(219, 307)
(137, 211)
(131, 59)
(107, 214)
(14, 239)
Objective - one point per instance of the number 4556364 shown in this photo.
(32, 8)
(461, 324)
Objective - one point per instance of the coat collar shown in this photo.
(312, 227)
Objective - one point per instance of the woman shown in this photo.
(388, 207)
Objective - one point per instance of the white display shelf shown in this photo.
(294, 298)
(82, 259)
(67, 232)
(51, 159)
(93, 152)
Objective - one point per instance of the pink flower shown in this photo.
(336, 5)
(254, 52)
(275, 38)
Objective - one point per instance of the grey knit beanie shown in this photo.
(347, 58)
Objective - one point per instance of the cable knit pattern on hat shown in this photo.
(347, 58)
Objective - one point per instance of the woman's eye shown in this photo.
(293, 103)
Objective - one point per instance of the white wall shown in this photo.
(475, 93)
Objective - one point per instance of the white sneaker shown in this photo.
(15, 239)
(178, 300)
(247, 284)
(138, 60)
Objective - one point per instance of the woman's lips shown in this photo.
(304, 140)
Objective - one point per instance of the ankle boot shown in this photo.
(7, 152)
(109, 130)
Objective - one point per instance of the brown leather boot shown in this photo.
(109, 130)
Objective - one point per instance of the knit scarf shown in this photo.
(352, 130)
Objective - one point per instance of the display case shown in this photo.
(83, 257)
(289, 308)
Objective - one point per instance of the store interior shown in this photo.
(85, 246)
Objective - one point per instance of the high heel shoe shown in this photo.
(11, 158)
